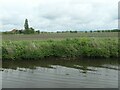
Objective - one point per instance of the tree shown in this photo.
(28, 30)
(91, 31)
(38, 31)
(26, 26)
(31, 30)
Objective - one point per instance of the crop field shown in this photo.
(57, 36)
(60, 45)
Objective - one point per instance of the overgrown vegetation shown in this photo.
(67, 48)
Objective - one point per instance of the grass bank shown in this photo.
(67, 48)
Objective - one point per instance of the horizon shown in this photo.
(59, 15)
(67, 30)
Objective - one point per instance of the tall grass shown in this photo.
(67, 48)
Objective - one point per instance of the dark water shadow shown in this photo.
(82, 64)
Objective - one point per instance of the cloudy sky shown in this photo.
(56, 15)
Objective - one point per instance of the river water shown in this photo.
(58, 73)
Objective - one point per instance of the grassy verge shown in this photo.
(67, 48)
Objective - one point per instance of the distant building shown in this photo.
(14, 31)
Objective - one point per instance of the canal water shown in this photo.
(58, 73)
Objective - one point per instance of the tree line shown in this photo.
(31, 30)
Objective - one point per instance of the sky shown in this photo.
(59, 15)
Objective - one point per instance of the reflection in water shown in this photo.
(54, 73)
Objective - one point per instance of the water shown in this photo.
(60, 74)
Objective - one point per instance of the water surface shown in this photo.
(56, 73)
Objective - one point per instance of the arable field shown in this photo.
(46, 36)
(60, 45)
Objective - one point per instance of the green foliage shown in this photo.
(28, 30)
(67, 48)
(26, 26)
